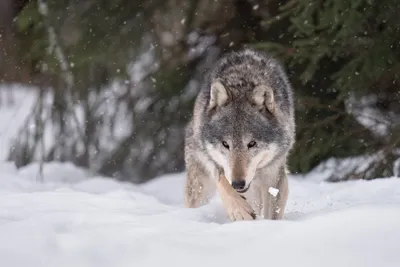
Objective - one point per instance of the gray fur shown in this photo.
(246, 97)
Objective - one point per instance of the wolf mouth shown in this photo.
(242, 191)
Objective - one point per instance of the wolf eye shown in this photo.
(225, 144)
(251, 144)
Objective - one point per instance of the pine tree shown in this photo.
(344, 58)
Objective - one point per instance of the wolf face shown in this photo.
(242, 133)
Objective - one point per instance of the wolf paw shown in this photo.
(236, 205)
(238, 209)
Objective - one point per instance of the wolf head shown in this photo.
(248, 122)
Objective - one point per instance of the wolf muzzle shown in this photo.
(240, 186)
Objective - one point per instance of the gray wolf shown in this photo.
(239, 137)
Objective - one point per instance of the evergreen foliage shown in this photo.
(342, 53)
(342, 57)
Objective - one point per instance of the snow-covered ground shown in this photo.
(75, 219)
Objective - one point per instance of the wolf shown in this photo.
(239, 137)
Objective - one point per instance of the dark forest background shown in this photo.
(116, 80)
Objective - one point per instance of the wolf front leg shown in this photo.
(235, 205)
(282, 197)
(275, 198)
(199, 188)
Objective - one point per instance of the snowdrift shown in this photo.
(76, 219)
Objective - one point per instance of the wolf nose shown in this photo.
(238, 185)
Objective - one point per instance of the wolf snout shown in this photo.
(239, 185)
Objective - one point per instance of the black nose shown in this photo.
(239, 184)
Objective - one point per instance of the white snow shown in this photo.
(13, 116)
(75, 219)
(273, 191)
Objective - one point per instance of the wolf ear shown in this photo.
(263, 96)
(218, 95)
